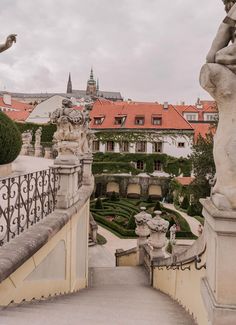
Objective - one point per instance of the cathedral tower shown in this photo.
(91, 85)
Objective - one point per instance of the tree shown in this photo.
(203, 168)
(98, 204)
(185, 203)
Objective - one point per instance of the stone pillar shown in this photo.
(87, 170)
(142, 230)
(38, 151)
(48, 153)
(67, 194)
(218, 287)
(157, 240)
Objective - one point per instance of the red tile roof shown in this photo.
(17, 111)
(171, 118)
(185, 181)
(203, 129)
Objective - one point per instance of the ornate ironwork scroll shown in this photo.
(25, 200)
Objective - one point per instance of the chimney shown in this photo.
(7, 99)
(166, 105)
(199, 104)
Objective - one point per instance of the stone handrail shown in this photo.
(21, 248)
(187, 256)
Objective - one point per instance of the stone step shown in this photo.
(116, 296)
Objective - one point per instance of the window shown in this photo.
(181, 144)
(96, 145)
(118, 120)
(157, 147)
(141, 146)
(157, 165)
(210, 117)
(156, 120)
(191, 117)
(110, 145)
(140, 164)
(139, 120)
(125, 146)
(98, 120)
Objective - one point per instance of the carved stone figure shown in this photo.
(221, 52)
(219, 80)
(38, 147)
(173, 230)
(26, 142)
(73, 137)
(38, 134)
(8, 43)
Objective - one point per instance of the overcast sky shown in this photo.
(150, 50)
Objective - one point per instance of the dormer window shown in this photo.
(118, 120)
(98, 120)
(156, 120)
(139, 120)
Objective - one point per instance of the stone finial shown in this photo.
(142, 229)
(158, 228)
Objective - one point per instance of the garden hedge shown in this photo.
(10, 140)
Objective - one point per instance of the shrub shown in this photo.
(98, 204)
(149, 199)
(10, 140)
(192, 210)
(131, 224)
(185, 203)
(114, 196)
(158, 206)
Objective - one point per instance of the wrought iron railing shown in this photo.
(25, 200)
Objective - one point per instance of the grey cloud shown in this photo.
(147, 49)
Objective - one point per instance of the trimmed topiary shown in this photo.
(192, 210)
(10, 140)
(131, 224)
(185, 203)
(98, 204)
(158, 206)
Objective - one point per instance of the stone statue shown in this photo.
(221, 52)
(38, 134)
(26, 142)
(38, 152)
(8, 43)
(219, 79)
(173, 230)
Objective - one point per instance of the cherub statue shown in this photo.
(221, 52)
(8, 43)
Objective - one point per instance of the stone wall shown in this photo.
(50, 258)
(145, 186)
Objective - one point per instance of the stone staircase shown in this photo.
(116, 296)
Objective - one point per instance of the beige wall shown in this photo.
(155, 190)
(60, 266)
(134, 188)
(113, 187)
(184, 286)
(131, 259)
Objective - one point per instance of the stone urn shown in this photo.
(158, 228)
(142, 230)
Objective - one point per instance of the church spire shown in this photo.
(97, 84)
(69, 85)
(91, 74)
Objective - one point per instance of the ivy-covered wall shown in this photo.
(117, 162)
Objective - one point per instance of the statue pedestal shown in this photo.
(68, 193)
(219, 287)
(38, 152)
